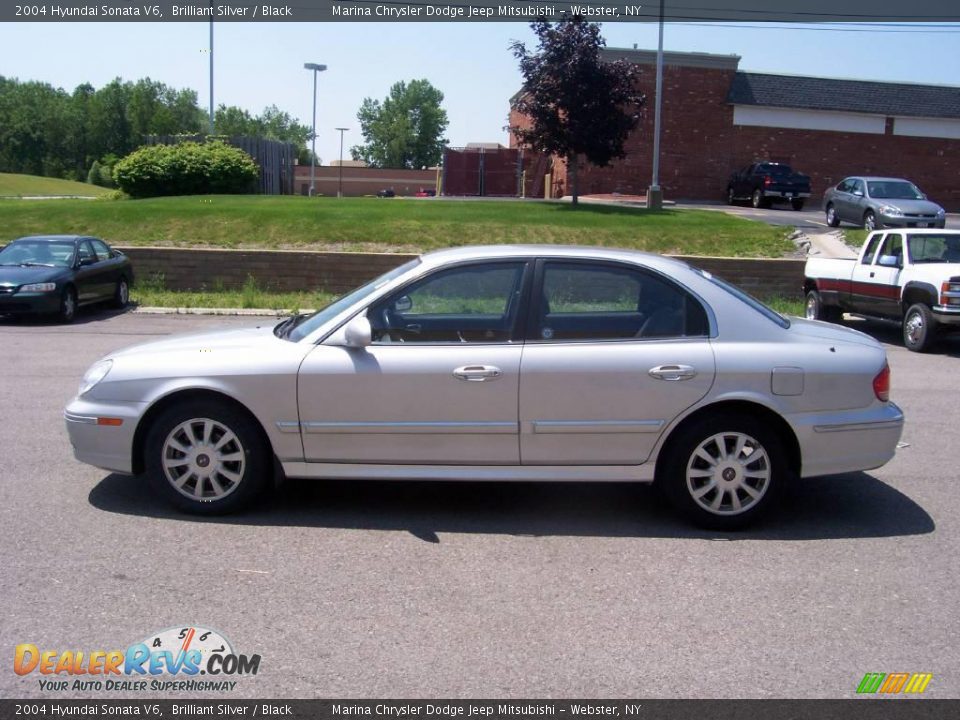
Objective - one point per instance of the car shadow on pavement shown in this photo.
(84, 316)
(891, 334)
(854, 505)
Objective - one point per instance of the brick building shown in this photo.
(717, 119)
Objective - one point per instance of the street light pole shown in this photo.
(340, 178)
(655, 193)
(211, 67)
(316, 68)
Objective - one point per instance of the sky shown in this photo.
(261, 64)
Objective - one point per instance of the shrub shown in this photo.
(187, 168)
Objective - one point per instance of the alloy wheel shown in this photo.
(728, 473)
(203, 459)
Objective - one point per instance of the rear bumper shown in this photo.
(847, 441)
(109, 447)
(785, 194)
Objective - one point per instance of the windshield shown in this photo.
(894, 190)
(776, 170)
(764, 310)
(310, 323)
(37, 252)
(934, 248)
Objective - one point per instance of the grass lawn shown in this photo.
(18, 185)
(388, 225)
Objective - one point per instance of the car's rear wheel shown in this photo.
(731, 196)
(797, 204)
(724, 471)
(919, 328)
(833, 220)
(121, 296)
(870, 221)
(207, 457)
(814, 309)
(68, 305)
(757, 200)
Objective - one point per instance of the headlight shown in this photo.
(941, 212)
(38, 287)
(97, 372)
(891, 211)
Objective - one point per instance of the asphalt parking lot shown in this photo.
(483, 590)
(811, 219)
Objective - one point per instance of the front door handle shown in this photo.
(477, 373)
(672, 373)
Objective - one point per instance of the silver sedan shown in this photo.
(502, 363)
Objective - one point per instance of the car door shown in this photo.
(108, 269)
(857, 202)
(885, 276)
(87, 278)
(438, 384)
(841, 198)
(614, 353)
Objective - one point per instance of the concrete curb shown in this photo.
(253, 312)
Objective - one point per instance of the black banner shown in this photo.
(809, 11)
(858, 709)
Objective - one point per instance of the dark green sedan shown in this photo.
(57, 274)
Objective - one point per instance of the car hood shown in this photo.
(924, 207)
(226, 339)
(829, 332)
(19, 275)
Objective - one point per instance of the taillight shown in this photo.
(881, 384)
(768, 180)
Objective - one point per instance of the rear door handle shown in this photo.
(477, 373)
(672, 373)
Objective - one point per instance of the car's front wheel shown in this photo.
(919, 331)
(68, 305)
(207, 457)
(870, 221)
(731, 196)
(833, 219)
(724, 471)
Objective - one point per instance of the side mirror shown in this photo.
(858, 193)
(87, 261)
(889, 261)
(358, 333)
(403, 303)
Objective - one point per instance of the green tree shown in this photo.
(405, 130)
(577, 105)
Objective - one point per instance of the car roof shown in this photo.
(484, 252)
(879, 178)
(54, 238)
(921, 231)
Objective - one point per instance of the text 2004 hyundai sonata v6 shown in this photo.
(502, 363)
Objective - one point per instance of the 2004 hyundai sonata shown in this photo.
(502, 363)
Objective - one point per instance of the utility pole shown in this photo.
(655, 192)
(316, 68)
(340, 173)
(211, 67)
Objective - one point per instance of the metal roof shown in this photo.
(861, 96)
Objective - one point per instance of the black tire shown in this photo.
(68, 305)
(814, 309)
(797, 204)
(121, 295)
(681, 455)
(246, 456)
(731, 197)
(758, 200)
(870, 222)
(919, 328)
(833, 219)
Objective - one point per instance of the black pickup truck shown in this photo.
(762, 183)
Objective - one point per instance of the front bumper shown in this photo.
(106, 446)
(34, 302)
(849, 440)
(912, 222)
(947, 314)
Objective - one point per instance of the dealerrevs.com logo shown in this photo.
(894, 683)
(183, 658)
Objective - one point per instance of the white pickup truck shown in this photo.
(910, 276)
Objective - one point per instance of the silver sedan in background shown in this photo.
(878, 202)
(502, 363)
